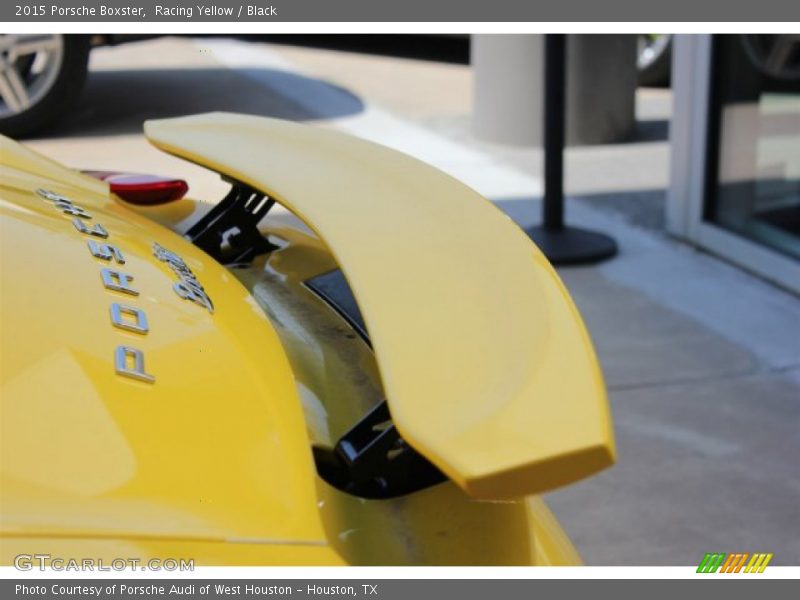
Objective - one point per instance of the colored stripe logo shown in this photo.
(738, 562)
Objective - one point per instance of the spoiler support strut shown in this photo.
(229, 232)
(372, 460)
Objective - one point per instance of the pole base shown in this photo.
(572, 246)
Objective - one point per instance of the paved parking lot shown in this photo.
(702, 360)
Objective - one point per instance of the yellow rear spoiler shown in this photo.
(486, 365)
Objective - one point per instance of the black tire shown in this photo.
(776, 56)
(61, 96)
(657, 71)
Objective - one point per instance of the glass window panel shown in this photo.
(755, 191)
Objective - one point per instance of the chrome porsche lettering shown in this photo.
(128, 361)
(64, 204)
(118, 281)
(105, 251)
(96, 229)
(188, 287)
(52, 196)
(129, 318)
(68, 208)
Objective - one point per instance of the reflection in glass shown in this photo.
(757, 112)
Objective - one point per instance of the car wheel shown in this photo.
(777, 56)
(654, 59)
(40, 78)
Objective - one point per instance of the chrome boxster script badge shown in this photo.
(188, 287)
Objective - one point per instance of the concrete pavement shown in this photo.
(702, 360)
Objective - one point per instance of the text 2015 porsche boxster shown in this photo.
(391, 381)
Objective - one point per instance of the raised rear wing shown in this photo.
(486, 365)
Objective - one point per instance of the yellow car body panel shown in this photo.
(486, 365)
(215, 449)
(212, 461)
(338, 379)
(104, 551)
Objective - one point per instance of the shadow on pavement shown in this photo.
(117, 102)
(641, 208)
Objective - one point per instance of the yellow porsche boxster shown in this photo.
(391, 377)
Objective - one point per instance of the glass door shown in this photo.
(753, 176)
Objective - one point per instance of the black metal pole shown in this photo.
(560, 243)
(555, 54)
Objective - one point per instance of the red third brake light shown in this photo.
(137, 188)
